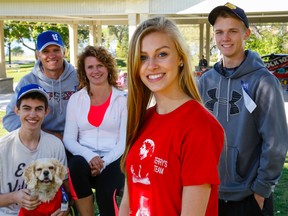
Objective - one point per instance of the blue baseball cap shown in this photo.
(48, 38)
(239, 12)
(32, 88)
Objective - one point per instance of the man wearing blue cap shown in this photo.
(53, 73)
(21, 146)
(247, 100)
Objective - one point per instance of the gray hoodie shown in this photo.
(59, 92)
(249, 105)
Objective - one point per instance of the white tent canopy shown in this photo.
(249, 6)
(256, 10)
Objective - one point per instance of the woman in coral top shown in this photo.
(95, 132)
(173, 148)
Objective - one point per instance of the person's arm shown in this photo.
(58, 212)
(96, 165)
(71, 131)
(21, 197)
(195, 200)
(270, 111)
(124, 205)
(116, 152)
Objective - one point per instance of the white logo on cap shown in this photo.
(55, 37)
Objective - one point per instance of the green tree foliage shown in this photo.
(265, 38)
(191, 35)
(268, 38)
(17, 51)
(21, 31)
(121, 35)
(83, 34)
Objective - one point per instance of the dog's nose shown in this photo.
(46, 173)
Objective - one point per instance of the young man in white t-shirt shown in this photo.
(22, 146)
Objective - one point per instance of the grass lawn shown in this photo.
(281, 193)
(18, 71)
(2, 130)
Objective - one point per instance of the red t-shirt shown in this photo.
(181, 148)
(96, 113)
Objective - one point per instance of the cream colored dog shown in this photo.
(44, 177)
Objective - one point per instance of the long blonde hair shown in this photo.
(139, 95)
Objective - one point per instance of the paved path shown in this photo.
(4, 100)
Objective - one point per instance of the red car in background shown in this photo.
(277, 64)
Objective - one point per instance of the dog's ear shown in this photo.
(61, 171)
(29, 175)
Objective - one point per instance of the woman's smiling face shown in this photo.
(159, 62)
(95, 70)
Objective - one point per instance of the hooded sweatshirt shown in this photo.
(249, 105)
(59, 92)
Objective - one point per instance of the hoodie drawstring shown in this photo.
(227, 98)
(60, 86)
(228, 104)
(218, 96)
(53, 97)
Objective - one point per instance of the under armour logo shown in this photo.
(210, 104)
(55, 37)
(234, 109)
(235, 97)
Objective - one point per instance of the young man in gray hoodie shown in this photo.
(247, 100)
(56, 76)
